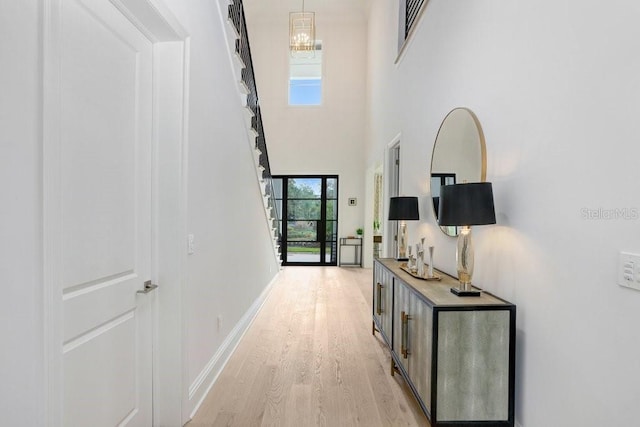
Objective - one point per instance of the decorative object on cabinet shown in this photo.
(459, 156)
(430, 271)
(356, 243)
(403, 208)
(466, 205)
(456, 354)
(420, 257)
(412, 271)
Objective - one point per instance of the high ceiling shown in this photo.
(278, 10)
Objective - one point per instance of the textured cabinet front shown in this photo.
(400, 306)
(473, 365)
(413, 338)
(456, 353)
(383, 301)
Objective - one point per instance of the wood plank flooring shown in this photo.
(309, 359)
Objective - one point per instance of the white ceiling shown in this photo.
(278, 10)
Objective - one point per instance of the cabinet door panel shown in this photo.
(416, 336)
(400, 306)
(420, 345)
(387, 304)
(377, 281)
(383, 301)
(473, 365)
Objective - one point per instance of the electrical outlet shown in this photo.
(629, 270)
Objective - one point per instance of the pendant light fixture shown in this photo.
(302, 33)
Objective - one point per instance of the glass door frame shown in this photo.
(321, 237)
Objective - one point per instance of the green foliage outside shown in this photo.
(304, 200)
(301, 231)
(303, 250)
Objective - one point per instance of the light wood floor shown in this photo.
(309, 359)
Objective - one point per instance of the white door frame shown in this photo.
(169, 183)
(388, 181)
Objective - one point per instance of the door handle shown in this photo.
(148, 287)
(404, 334)
(378, 298)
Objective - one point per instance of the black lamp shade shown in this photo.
(403, 208)
(466, 204)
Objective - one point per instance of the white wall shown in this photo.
(234, 259)
(22, 382)
(326, 139)
(555, 86)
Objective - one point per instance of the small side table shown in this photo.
(356, 243)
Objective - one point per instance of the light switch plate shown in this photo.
(191, 246)
(629, 270)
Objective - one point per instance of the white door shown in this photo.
(106, 123)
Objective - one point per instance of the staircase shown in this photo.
(243, 69)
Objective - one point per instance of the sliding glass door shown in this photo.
(308, 214)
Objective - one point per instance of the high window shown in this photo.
(410, 11)
(305, 77)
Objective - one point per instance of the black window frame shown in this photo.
(321, 223)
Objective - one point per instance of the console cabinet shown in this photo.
(456, 353)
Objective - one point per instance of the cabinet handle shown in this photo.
(379, 299)
(404, 334)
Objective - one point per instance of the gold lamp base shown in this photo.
(464, 261)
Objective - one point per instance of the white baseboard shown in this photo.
(199, 389)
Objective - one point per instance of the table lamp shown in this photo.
(403, 209)
(465, 205)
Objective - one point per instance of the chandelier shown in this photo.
(302, 32)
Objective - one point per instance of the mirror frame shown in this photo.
(483, 161)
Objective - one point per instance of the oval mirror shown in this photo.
(459, 155)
